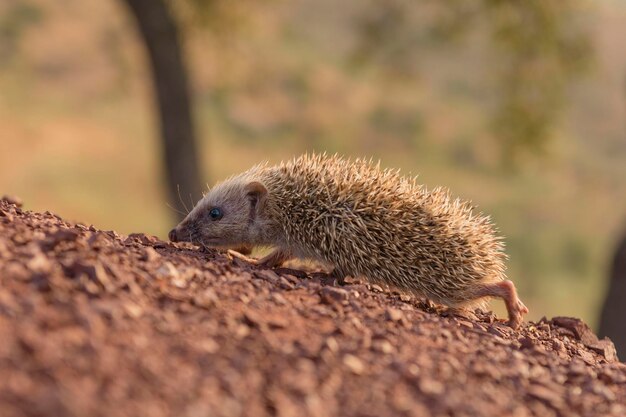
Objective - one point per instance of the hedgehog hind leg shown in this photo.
(505, 290)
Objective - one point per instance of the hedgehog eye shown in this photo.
(215, 213)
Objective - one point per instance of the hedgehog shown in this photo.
(363, 221)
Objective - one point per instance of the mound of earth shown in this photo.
(94, 323)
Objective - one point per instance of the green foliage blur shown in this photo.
(540, 46)
(518, 106)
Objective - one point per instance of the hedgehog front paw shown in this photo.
(237, 255)
(274, 259)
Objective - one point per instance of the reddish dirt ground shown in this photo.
(94, 323)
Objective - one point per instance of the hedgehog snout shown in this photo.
(182, 232)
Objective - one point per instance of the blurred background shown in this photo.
(107, 105)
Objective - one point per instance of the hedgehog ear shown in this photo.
(256, 193)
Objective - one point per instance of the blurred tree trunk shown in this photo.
(613, 318)
(159, 32)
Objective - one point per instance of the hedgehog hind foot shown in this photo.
(506, 290)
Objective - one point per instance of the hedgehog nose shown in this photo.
(172, 235)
